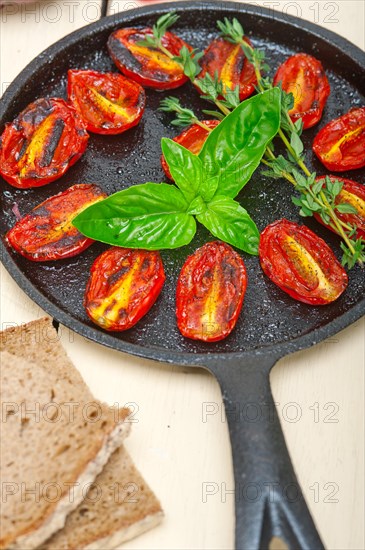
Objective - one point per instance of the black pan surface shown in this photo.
(270, 320)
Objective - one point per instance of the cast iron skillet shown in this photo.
(269, 501)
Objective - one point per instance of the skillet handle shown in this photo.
(269, 501)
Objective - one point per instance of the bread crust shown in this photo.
(127, 507)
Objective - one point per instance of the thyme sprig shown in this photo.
(351, 257)
(188, 59)
(184, 116)
(233, 32)
(158, 31)
(211, 88)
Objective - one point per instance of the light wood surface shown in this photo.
(319, 392)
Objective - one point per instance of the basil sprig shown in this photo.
(156, 216)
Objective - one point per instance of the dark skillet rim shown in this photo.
(274, 351)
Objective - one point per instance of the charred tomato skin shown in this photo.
(231, 64)
(123, 286)
(147, 66)
(340, 145)
(304, 76)
(301, 263)
(46, 233)
(42, 143)
(192, 138)
(354, 194)
(109, 103)
(210, 292)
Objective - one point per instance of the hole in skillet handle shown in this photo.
(277, 544)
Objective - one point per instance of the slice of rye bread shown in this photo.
(56, 436)
(39, 342)
(120, 506)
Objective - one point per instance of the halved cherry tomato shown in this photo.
(109, 103)
(229, 62)
(351, 193)
(303, 76)
(340, 145)
(193, 139)
(146, 65)
(41, 144)
(124, 284)
(301, 263)
(47, 233)
(210, 292)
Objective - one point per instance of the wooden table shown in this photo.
(319, 392)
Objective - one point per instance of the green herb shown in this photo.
(163, 23)
(233, 32)
(215, 114)
(186, 168)
(239, 142)
(314, 196)
(189, 62)
(227, 220)
(157, 216)
(351, 257)
(345, 208)
(185, 117)
(158, 30)
(212, 89)
(152, 216)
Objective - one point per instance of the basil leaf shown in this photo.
(185, 167)
(197, 206)
(234, 148)
(227, 220)
(151, 216)
(188, 172)
(209, 187)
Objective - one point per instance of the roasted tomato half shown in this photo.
(230, 64)
(41, 144)
(304, 76)
(193, 139)
(146, 65)
(210, 292)
(340, 145)
(351, 193)
(301, 263)
(47, 233)
(109, 103)
(124, 284)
